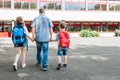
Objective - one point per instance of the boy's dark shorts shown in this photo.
(62, 51)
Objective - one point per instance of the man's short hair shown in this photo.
(41, 10)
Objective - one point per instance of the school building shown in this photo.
(99, 15)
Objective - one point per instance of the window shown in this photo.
(7, 4)
(103, 7)
(1, 5)
(97, 4)
(117, 7)
(82, 6)
(111, 7)
(97, 7)
(75, 6)
(90, 6)
(68, 6)
(57, 6)
(1, 26)
(33, 5)
(25, 5)
(50, 5)
(43, 5)
(17, 5)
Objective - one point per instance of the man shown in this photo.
(42, 33)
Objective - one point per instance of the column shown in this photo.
(107, 6)
(13, 24)
(12, 4)
(100, 26)
(38, 4)
(63, 5)
(86, 5)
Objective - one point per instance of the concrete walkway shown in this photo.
(88, 59)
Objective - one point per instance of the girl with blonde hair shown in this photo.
(21, 46)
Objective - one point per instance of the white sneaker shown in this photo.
(15, 67)
(23, 65)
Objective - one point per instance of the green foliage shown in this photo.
(89, 33)
(117, 32)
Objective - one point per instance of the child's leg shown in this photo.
(23, 56)
(59, 54)
(59, 59)
(16, 59)
(65, 52)
(17, 56)
(65, 59)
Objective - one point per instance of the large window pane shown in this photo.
(117, 7)
(111, 7)
(43, 5)
(82, 6)
(7, 26)
(7, 4)
(33, 5)
(17, 5)
(97, 7)
(50, 5)
(75, 6)
(90, 6)
(68, 6)
(1, 5)
(103, 7)
(25, 5)
(57, 6)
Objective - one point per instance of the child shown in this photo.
(21, 46)
(63, 39)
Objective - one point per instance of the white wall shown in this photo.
(62, 15)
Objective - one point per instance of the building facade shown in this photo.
(99, 15)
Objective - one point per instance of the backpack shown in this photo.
(64, 39)
(18, 35)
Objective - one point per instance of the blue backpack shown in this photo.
(18, 35)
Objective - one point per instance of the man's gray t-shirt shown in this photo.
(42, 25)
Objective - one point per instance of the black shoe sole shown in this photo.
(14, 68)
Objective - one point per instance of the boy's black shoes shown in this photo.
(64, 65)
(59, 66)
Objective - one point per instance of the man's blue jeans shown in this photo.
(42, 59)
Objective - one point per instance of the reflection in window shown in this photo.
(43, 5)
(103, 7)
(25, 5)
(82, 6)
(57, 6)
(111, 7)
(17, 5)
(33, 5)
(71, 28)
(50, 5)
(90, 6)
(68, 6)
(55, 29)
(97, 7)
(1, 5)
(7, 4)
(117, 7)
(75, 6)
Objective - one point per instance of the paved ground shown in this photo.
(89, 59)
